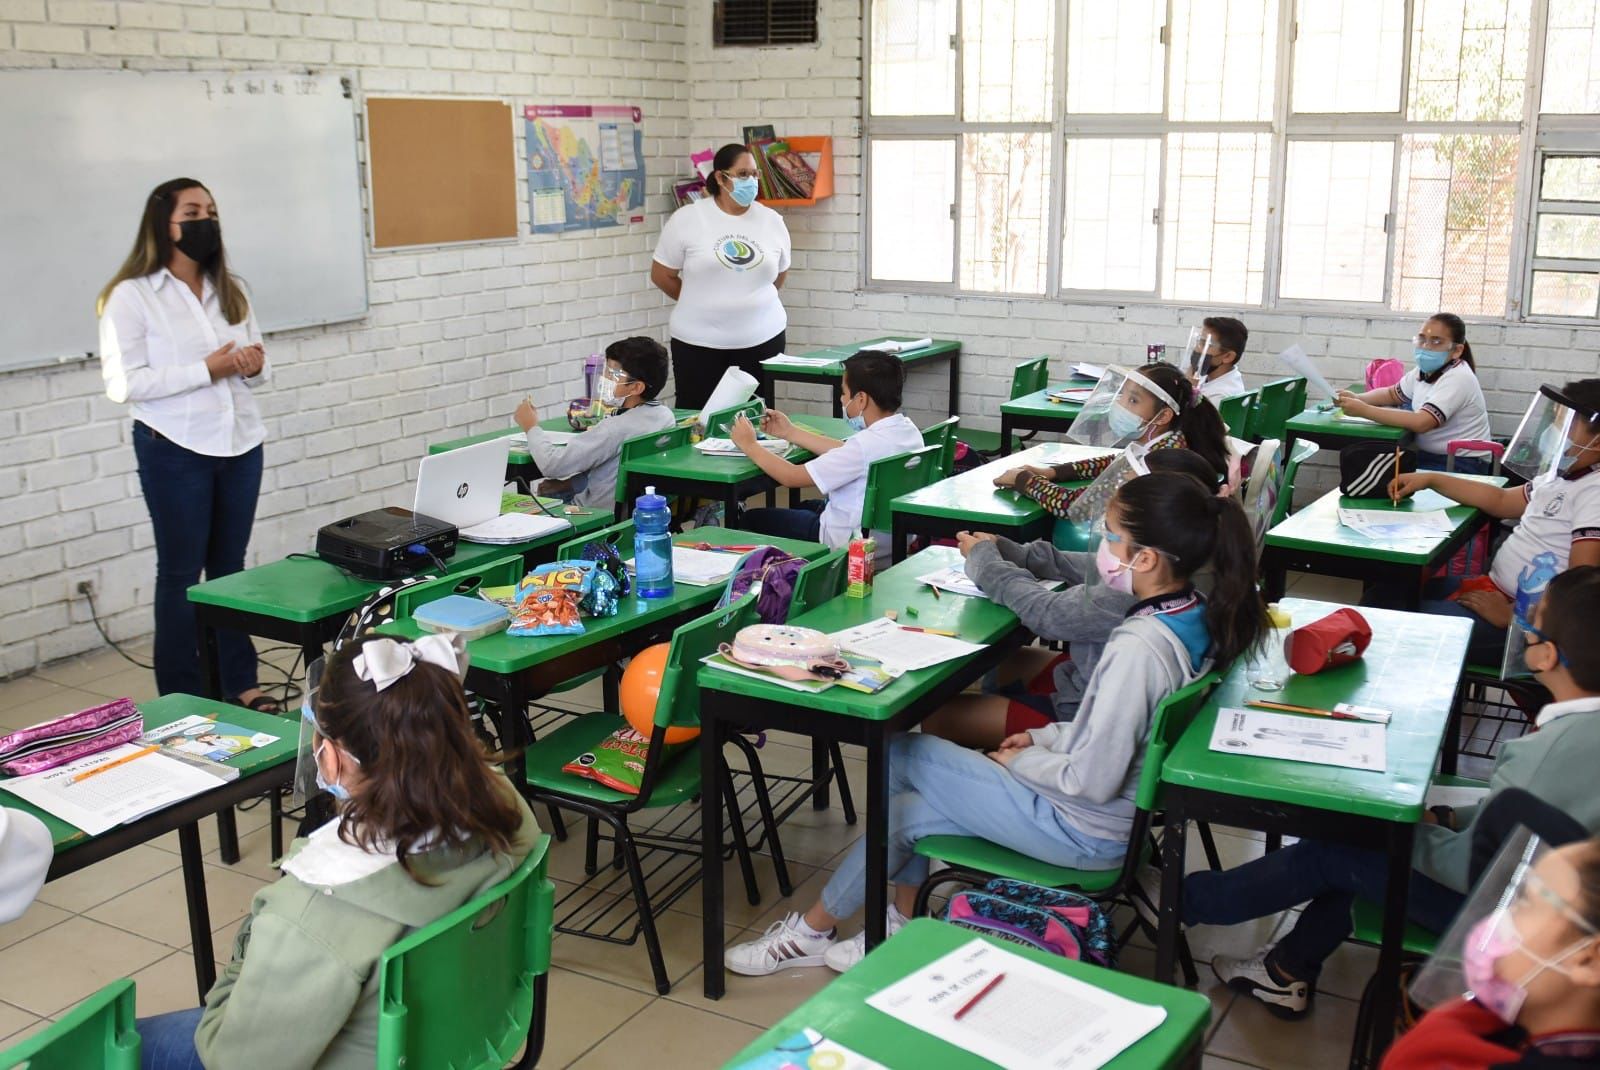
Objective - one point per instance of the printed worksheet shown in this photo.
(1299, 738)
(1015, 1012)
(956, 581)
(128, 788)
(1394, 525)
(902, 649)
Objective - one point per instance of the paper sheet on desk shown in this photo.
(115, 797)
(1296, 738)
(1454, 795)
(1033, 1019)
(1391, 525)
(901, 649)
(957, 581)
(553, 439)
(892, 346)
(802, 362)
(699, 568)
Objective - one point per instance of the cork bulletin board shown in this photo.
(440, 171)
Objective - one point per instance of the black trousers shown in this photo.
(697, 369)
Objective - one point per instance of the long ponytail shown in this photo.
(1198, 419)
(1458, 335)
(1177, 515)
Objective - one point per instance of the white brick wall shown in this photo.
(454, 336)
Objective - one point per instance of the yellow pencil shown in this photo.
(1393, 492)
(87, 773)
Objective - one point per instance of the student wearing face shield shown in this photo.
(1556, 764)
(1556, 448)
(1439, 400)
(1214, 350)
(582, 468)
(1518, 975)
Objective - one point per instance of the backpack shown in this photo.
(966, 458)
(1050, 919)
(377, 608)
(603, 552)
(1384, 371)
(771, 573)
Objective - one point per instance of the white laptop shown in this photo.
(463, 486)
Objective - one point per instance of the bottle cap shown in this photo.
(651, 500)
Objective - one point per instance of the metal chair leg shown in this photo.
(741, 844)
(769, 821)
(641, 900)
(1209, 843)
(591, 848)
(845, 802)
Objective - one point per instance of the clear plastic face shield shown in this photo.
(1531, 583)
(1198, 352)
(1089, 508)
(1553, 437)
(1518, 923)
(305, 766)
(1124, 405)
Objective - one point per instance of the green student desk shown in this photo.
(1411, 669)
(832, 374)
(840, 1011)
(1326, 429)
(515, 670)
(730, 704)
(1038, 411)
(730, 479)
(520, 467)
(262, 771)
(1313, 540)
(971, 502)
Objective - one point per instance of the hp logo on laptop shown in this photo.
(461, 491)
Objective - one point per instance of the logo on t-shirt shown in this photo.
(1553, 507)
(736, 254)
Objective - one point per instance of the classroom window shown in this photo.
(764, 22)
(1249, 153)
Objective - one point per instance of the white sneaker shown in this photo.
(846, 953)
(783, 945)
(1285, 998)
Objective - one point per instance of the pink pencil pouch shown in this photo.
(52, 743)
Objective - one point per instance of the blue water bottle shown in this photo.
(652, 545)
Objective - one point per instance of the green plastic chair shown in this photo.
(647, 445)
(819, 581)
(668, 779)
(1238, 413)
(1303, 451)
(891, 477)
(99, 1033)
(1030, 376)
(467, 991)
(972, 860)
(496, 573)
(718, 423)
(943, 435)
(1280, 400)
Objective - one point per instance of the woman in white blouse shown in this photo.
(180, 345)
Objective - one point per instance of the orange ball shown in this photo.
(641, 690)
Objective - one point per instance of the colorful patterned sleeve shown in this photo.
(1083, 471)
(1054, 497)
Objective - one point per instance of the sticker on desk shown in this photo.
(1317, 740)
(1016, 1012)
(808, 1050)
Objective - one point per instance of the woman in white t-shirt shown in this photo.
(1443, 401)
(723, 260)
(179, 345)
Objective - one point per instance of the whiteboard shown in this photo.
(83, 149)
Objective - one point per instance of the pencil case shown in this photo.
(65, 739)
(1337, 639)
(1367, 468)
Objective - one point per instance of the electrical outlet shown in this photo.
(86, 587)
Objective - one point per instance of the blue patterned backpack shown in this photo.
(1050, 919)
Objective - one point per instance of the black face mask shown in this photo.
(1200, 362)
(201, 239)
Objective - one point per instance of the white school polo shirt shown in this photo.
(154, 340)
(1223, 386)
(1560, 512)
(729, 264)
(841, 473)
(1455, 399)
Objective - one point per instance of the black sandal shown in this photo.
(262, 703)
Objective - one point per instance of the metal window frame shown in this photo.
(1539, 135)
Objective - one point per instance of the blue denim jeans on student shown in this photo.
(937, 787)
(1327, 877)
(166, 1041)
(803, 522)
(1488, 643)
(202, 509)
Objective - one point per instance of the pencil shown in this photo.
(928, 631)
(935, 591)
(973, 1002)
(87, 773)
(1393, 491)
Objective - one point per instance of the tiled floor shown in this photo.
(126, 917)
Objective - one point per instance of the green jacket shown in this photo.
(1556, 763)
(302, 987)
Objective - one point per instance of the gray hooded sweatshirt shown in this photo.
(1089, 768)
(1083, 614)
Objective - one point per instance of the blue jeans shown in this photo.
(1488, 643)
(803, 523)
(936, 788)
(202, 509)
(1327, 877)
(1465, 466)
(166, 1041)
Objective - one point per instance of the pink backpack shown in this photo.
(1385, 371)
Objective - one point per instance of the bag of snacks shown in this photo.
(550, 597)
(618, 760)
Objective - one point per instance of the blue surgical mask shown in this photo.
(1124, 422)
(857, 422)
(1429, 361)
(334, 788)
(744, 191)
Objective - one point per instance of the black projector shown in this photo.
(386, 544)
